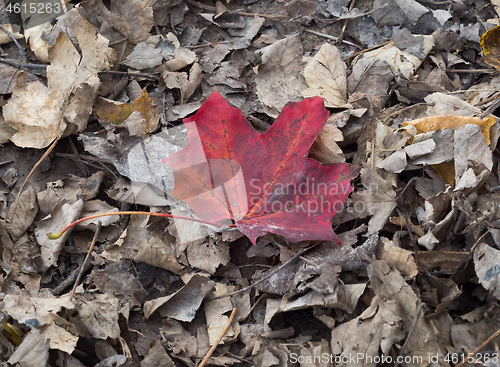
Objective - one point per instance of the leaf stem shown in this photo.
(53, 236)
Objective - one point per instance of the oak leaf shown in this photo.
(264, 183)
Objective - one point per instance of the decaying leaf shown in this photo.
(325, 75)
(486, 260)
(144, 57)
(279, 81)
(43, 113)
(140, 117)
(490, 46)
(398, 11)
(133, 18)
(401, 62)
(183, 304)
(377, 200)
(215, 315)
(62, 216)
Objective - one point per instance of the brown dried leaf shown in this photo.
(486, 260)
(325, 148)
(325, 75)
(378, 200)
(62, 217)
(157, 357)
(42, 113)
(399, 258)
(96, 315)
(180, 80)
(144, 56)
(278, 80)
(401, 62)
(24, 215)
(215, 314)
(133, 18)
(183, 304)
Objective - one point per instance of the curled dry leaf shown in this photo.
(490, 45)
(183, 304)
(401, 62)
(180, 80)
(215, 314)
(43, 113)
(475, 150)
(486, 260)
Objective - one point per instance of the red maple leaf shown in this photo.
(264, 183)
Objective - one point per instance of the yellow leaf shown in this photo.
(117, 112)
(490, 45)
(432, 123)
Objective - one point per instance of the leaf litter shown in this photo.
(416, 274)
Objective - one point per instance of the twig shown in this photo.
(70, 280)
(479, 348)
(419, 313)
(229, 321)
(208, 44)
(470, 71)
(269, 16)
(336, 39)
(242, 13)
(21, 51)
(341, 36)
(22, 66)
(80, 165)
(82, 268)
(29, 175)
(368, 49)
(130, 73)
(84, 161)
(492, 98)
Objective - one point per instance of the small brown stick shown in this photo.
(229, 321)
(479, 348)
(130, 73)
(84, 161)
(269, 16)
(336, 39)
(344, 27)
(22, 66)
(368, 49)
(80, 165)
(82, 268)
(29, 175)
(473, 71)
(208, 44)
(419, 313)
(21, 51)
(492, 98)
(242, 13)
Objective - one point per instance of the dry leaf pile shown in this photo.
(411, 100)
